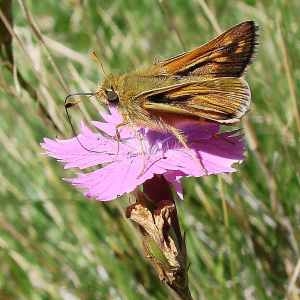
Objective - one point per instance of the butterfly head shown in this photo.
(107, 93)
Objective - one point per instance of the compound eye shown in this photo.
(111, 95)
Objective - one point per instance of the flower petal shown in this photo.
(141, 153)
(174, 177)
(115, 179)
(88, 149)
(113, 116)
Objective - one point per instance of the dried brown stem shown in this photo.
(156, 215)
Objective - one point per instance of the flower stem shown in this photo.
(164, 246)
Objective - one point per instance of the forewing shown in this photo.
(225, 56)
(223, 100)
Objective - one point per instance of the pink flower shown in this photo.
(141, 153)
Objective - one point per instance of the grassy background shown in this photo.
(243, 231)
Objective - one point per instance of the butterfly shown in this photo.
(205, 84)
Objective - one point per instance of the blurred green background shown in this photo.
(243, 231)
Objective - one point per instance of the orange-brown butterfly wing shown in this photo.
(223, 100)
(225, 56)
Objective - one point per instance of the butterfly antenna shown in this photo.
(98, 60)
(68, 104)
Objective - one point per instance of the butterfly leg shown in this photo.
(142, 152)
(117, 136)
(179, 135)
(140, 138)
